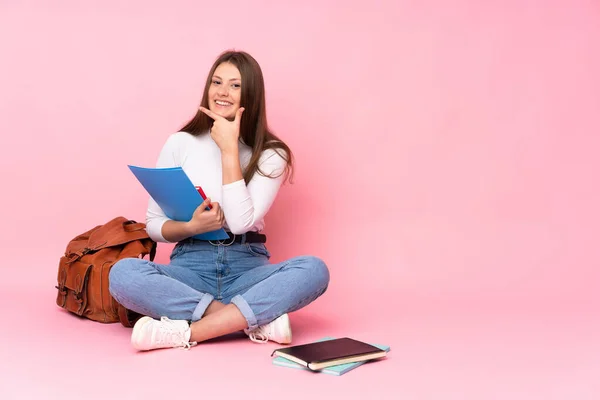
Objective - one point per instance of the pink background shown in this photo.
(447, 172)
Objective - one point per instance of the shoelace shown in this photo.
(167, 328)
(259, 335)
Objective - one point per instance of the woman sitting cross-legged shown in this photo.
(213, 288)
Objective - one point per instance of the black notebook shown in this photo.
(319, 355)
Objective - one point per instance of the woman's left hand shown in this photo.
(224, 132)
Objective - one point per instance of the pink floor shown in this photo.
(450, 351)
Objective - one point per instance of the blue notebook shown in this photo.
(335, 370)
(176, 195)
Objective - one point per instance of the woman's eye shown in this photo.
(237, 85)
(216, 82)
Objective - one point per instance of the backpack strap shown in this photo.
(132, 226)
(116, 232)
(123, 317)
(127, 317)
(153, 251)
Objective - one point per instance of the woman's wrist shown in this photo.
(191, 228)
(230, 154)
(174, 231)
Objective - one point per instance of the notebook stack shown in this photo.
(329, 355)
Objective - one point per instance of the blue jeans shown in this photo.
(201, 272)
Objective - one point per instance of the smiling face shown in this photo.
(225, 91)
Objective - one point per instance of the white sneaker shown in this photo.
(279, 331)
(150, 334)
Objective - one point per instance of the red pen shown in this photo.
(199, 189)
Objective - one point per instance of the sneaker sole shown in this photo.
(136, 332)
(287, 339)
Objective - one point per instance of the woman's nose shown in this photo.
(222, 90)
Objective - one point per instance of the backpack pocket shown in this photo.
(72, 285)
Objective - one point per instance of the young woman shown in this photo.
(213, 288)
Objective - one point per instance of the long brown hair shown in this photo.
(254, 130)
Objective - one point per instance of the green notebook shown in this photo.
(334, 370)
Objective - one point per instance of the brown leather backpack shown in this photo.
(83, 270)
